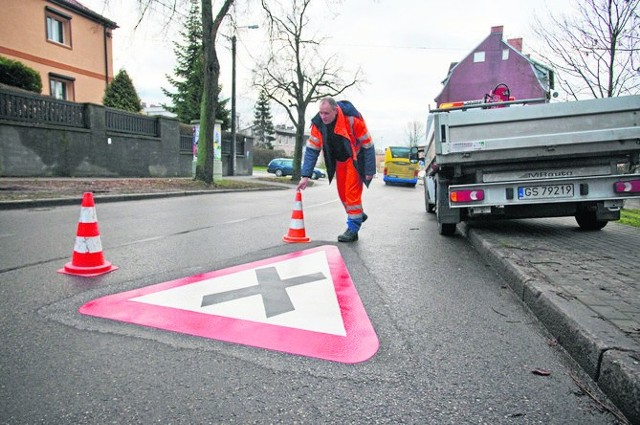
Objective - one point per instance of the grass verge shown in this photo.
(630, 217)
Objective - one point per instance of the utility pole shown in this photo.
(232, 161)
(232, 153)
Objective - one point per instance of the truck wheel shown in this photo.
(587, 221)
(447, 229)
(427, 202)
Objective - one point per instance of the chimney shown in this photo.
(497, 30)
(516, 43)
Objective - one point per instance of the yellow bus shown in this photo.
(398, 167)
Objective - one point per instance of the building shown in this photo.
(493, 62)
(156, 110)
(285, 138)
(67, 43)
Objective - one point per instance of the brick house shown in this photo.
(496, 61)
(67, 43)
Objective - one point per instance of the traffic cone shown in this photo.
(296, 232)
(87, 259)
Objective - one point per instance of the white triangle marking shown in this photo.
(316, 304)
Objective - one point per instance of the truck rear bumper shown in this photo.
(605, 210)
(566, 191)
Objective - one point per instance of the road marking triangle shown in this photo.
(301, 303)
(315, 303)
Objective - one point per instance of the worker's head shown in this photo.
(328, 110)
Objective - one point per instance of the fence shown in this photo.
(186, 143)
(126, 122)
(27, 107)
(41, 136)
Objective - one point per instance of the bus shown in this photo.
(398, 168)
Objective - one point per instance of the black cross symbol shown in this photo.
(270, 287)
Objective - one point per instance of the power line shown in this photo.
(381, 46)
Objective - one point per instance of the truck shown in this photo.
(526, 159)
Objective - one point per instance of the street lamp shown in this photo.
(232, 163)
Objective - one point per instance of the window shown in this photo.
(58, 89)
(58, 27)
(478, 57)
(61, 87)
(55, 30)
(505, 54)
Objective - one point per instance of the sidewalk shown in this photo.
(632, 203)
(583, 286)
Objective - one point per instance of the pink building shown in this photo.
(496, 61)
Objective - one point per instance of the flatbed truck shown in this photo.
(520, 159)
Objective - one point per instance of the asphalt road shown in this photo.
(455, 345)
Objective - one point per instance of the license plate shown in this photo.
(546, 191)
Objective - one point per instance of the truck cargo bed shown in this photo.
(587, 128)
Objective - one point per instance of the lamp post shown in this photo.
(232, 153)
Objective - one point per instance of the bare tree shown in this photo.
(415, 132)
(204, 166)
(294, 73)
(595, 51)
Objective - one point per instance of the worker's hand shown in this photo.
(303, 183)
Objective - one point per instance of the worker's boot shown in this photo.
(348, 236)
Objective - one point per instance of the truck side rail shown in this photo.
(584, 128)
(480, 104)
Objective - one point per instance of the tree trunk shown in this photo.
(297, 152)
(204, 165)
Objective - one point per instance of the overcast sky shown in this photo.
(404, 48)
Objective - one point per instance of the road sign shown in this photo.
(300, 303)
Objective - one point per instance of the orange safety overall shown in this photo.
(350, 192)
(351, 172)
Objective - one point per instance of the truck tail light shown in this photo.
(466, 195)
(385, 171)
(631, 186)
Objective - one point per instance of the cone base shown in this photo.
(69, 268)
(296, 239)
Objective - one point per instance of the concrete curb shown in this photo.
(610, 358)
(39, 203)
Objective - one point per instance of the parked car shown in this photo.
(284, 167)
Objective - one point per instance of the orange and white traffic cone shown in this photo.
(296, 232)
(87, 259)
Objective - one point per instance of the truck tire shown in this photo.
(427, 202)
(587, 221)
(447, 229)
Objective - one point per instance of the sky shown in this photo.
(403, 47)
